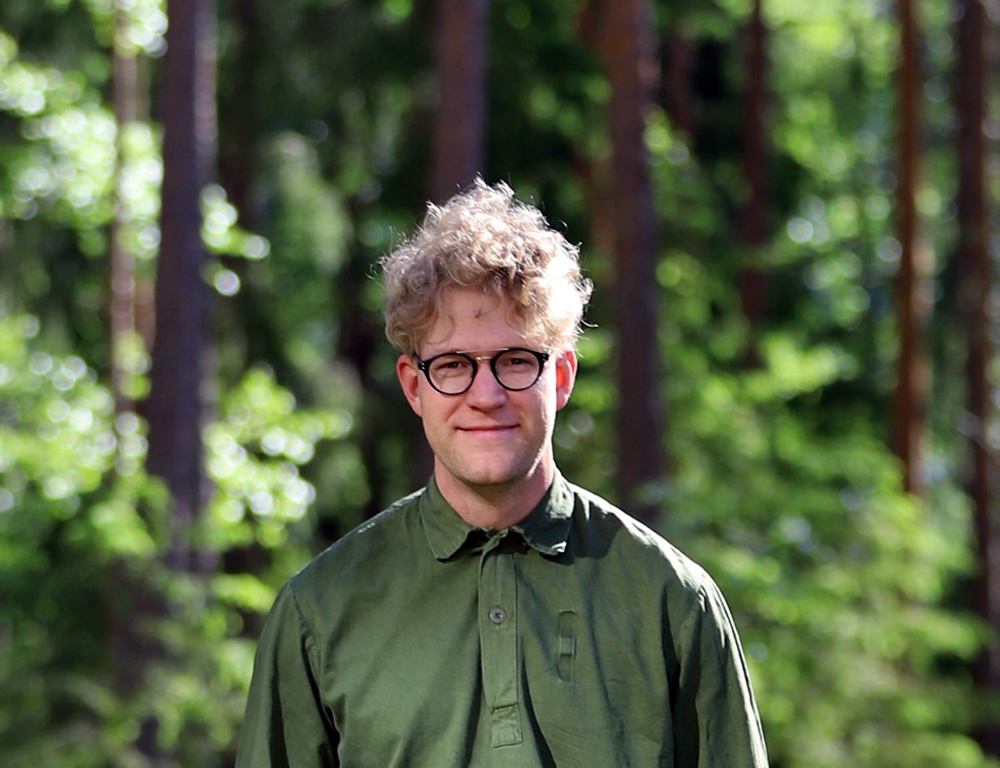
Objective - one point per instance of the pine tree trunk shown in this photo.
(632, 69)
(460, 123)
(976, 281)
(753, 285)
(911, 284)
(176, 407)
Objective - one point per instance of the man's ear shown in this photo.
(565, 376)
(409, 379)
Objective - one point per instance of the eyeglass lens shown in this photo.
(514, 368)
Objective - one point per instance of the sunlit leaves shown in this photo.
(790, 370)
(74, 502)
(140, 173)
(244, 591)
(397, 10)
(219, 229)
(59, 444)
(255, 451)
(56, 435)
(69, 164)
(790, 496)
(27, 89)
(222, 236)
(135, 26)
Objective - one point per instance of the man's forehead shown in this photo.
(472, 318)
(449, 330)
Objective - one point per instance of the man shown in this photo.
(501, 616)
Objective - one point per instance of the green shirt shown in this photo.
(577, 638)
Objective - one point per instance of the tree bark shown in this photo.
(912, 380)
(176, 407)
(460, 125)
(753, 285)
(632, 69)
(976, 281)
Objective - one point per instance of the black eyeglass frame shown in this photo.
(541, 357)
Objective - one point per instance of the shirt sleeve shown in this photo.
(715, 716)
(285, 723)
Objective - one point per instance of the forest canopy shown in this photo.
(788, 211)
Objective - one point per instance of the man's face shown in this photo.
(488, 440)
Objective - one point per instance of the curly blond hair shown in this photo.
(484, 238)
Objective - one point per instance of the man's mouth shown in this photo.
(488, 429)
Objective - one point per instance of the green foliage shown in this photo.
(792, 501)
(256, 449)
(71, 484)
(69, 167)
(66, 168)
(309, 230)
(780, 480)
(79, 520)
(132, 27)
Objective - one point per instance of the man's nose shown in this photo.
(485, 390)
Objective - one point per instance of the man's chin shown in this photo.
(496, 479)
(491, 476)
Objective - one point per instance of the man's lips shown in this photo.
(486, 429)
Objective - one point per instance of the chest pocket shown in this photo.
(567, 646)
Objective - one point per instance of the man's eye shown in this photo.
(453, 365)
(516, 361)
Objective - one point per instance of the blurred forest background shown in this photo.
(789, 212)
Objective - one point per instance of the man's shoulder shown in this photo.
(602, 524)
(364, 548)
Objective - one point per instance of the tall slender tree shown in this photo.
(754, 215)
(175, 409)
(912, 306)
(459, 139)
(629, 52)
(976, 283)
(122, 293)
(125, 646)
(176, 406)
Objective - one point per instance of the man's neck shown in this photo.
(495, 506)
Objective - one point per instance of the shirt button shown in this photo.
(498, 615)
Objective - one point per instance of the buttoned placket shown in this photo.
(498, 639)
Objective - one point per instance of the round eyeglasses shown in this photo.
(452, 373)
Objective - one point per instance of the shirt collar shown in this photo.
(545, 529)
